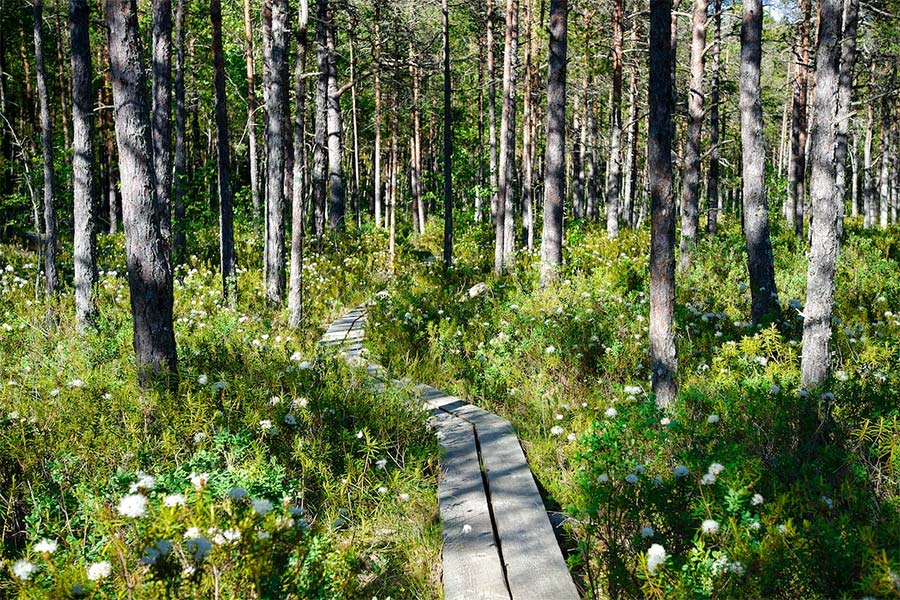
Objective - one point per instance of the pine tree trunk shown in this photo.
(448, 146)
(614, 167)
(492, 108)
(756, 217)
(179, 182)
(712, 184)
(251, 109)
(845, 85)
(320, 152)
(376, 167)
(884, 176)
(797, 174)
(354, 117)
(690, 199)
(227, 260)
(506, 163)
(82, 165)
(555, 150)
(662, 205)
(631, 162)
(50, 242)
(414, 165)
(298, 202)
(162, 128)
(826, 200)
(337, 207)
(149, 274)
(64, 87)
(868, 178)
(275, 13)
(527, 131)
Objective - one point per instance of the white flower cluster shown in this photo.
(656, 556)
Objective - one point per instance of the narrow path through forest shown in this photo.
(498, 542)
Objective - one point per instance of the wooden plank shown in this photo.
(471, 563)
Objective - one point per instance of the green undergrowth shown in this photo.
(749, 486)
(275, 471)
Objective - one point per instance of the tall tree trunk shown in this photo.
(764, 297)
(162, 115)
(82, 165)
(52, 278)
(506, 167)
(797, 175)
(418, 220)
(149, 272)
(227, 260)
(298, 202)
(712, 184)
(527, 131)
(884, 177)
(826, 200)
(479, 210)
(448, 145)
(492, 107)
(376, 167)
(662, 206)
(690, 199)
(6, 150)
(64, 87)
(179, 182)
(275, 13)
(631, 162)
(337, 208)
(577, 153)
(395, 160)
(845, 85)
(614, 167)
(868, 178)
(320, 152)
(112, 179)
(555, 150)
(354, 117)
(251, 109)
(854, 177)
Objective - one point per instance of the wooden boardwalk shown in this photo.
(498, 540)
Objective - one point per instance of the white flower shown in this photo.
(631, 478)
(558, 417)
(76, 383)
(632, 390)
(304, 365)
(710, 526)
(549, 349)
(782, 529)
(755, 525)
(174, 500)
(382, 490)
(556, 430)
(199, 481)
(290, 420)
(231, 535)
(715, 469)
(656, 556)
(756, 500)
(275, 400)
(263, 535)
(359, 434)
(198, 547)
(404, 497)
(265, 424)
(133, 505)
(571, 437)
(381, 463)
(736, 567)
(712, 419)
(681, 471)
(664, 421)
(46, 546)
(99, 570)
(300, 402)
(611, 412)
(261, 506)
(203, 380)
(145, 482)
(647, 532)
(23, 569)
(191, 533)
(841, 375)
(708, 479)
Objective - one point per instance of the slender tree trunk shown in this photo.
(112, 179)
(868, 178)
(690, 199)
(179, 182)
(826, 199)
(633, 131)
(149, 273)
(527, 132)
(479, 216)
(854, 177)
(662, 206)
(414, 165)
(492, 107)
(506, 167)
(712, 184)
(82, 165)
(884, 177)
(845, 85)
(555, 150)
(6, 150)
(797, 178)
(448, 146)
(376, 168)
(614, 167)
(783, 140)
(52, 278)
(395, 126)
(298, 202)
(64, 87)
(577, 153)
(760, 265)
(355, 126)
(162, 115)
(275, 13)
(251, 109)
(227, 261)
(320, 152)
(335, 128)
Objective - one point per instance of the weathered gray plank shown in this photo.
(471, 562)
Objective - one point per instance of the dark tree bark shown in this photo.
(162, 114)
(251, 110)
(631, 161)
(112, 180)
(180, 181)
(149, 274)
(227, 260)
(320, 153)
(690, 199)
(50, 242)
(275, 13)
(614, 167)
(797, 175)
(5, 137)
(298, 202)
(764, 297)
(376, 167)
(712, 184)
(662, 205)
(64, 86)
(555, 150)
(845, 86)
(83, 165)
(505, 222)
(826, 201)
(337, 207)
(492, 107)
(448, 146)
